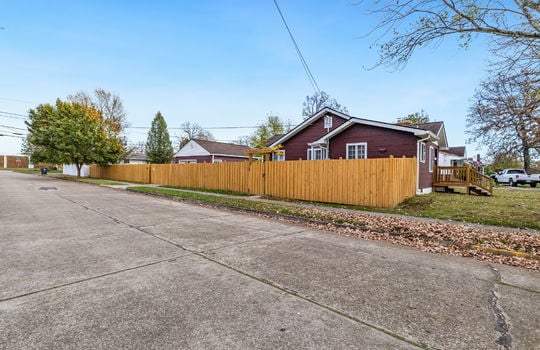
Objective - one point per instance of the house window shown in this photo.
(357, 150)
(318, 153)
(187, 161)
(431, 158)
(328, 122)
(278, 156)
(422, 151)
(218, 160)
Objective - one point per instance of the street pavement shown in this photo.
(88, 267)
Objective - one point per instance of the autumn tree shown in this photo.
(505, 116)
(108, 104)
(271, 127)
(71, 133)
(159, 149)
(415, 118)
(318, 101)
(404, 26)
(191, 131)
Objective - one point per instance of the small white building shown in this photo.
(71, 169)
(452, 156)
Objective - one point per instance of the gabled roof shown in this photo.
(220, 148)
(307, 122)
(434, 127)
(136, 156)
(274, 138)
(458, 151)
(351, 121)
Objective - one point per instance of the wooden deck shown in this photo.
(447, 177)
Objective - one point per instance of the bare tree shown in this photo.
(505, 116)
(415, 23)
(318, 101)
(192, 131)
(108, 104)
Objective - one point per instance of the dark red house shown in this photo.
(329, 134)
(203, 151)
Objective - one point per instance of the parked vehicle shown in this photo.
(514, 177)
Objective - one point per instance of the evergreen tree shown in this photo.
(159, 149)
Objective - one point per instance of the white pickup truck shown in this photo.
(514, 177)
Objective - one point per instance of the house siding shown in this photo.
(208, 159)
(395, 143)
(296, 147)
(425, 176)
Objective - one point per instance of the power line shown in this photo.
(302, 60)
(11, 127)
(10, 113)
(209, 128)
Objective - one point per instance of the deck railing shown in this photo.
(463, 176)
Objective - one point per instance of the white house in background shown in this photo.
(135, 158)
(71, 169)
(452, 156)
(204, 151)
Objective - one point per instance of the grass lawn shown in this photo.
(232, 193)
(508, 207)
(511, 207)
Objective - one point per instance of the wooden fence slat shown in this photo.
(383, 182)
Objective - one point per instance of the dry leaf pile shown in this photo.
(497, 245)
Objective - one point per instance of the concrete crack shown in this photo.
(503, 324)
(169, 259)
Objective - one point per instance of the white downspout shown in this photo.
(418, 161)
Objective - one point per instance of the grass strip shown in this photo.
(232, 193)
(241, 204)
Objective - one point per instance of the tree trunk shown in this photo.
(526, 156)
(79, 166)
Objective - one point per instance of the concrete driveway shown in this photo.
(84, 266)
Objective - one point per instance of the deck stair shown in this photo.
(447, 178)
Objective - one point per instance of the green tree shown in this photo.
(415, 118)
(159, 149)
(71, 133)
(271, 127)
(318, 101)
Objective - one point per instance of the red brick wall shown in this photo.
(12, 161)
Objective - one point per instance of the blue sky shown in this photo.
(221, 63)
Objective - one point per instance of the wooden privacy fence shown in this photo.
(383, 182)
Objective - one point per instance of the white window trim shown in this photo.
(431, 158)
(422, 151)
(278, 155)
(311, 152)
(187, 161)
(356, 144)
(328, 121)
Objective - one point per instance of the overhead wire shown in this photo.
(310, 76)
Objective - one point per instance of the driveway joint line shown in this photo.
(265, 282)
(169, 259)
(311, 301)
